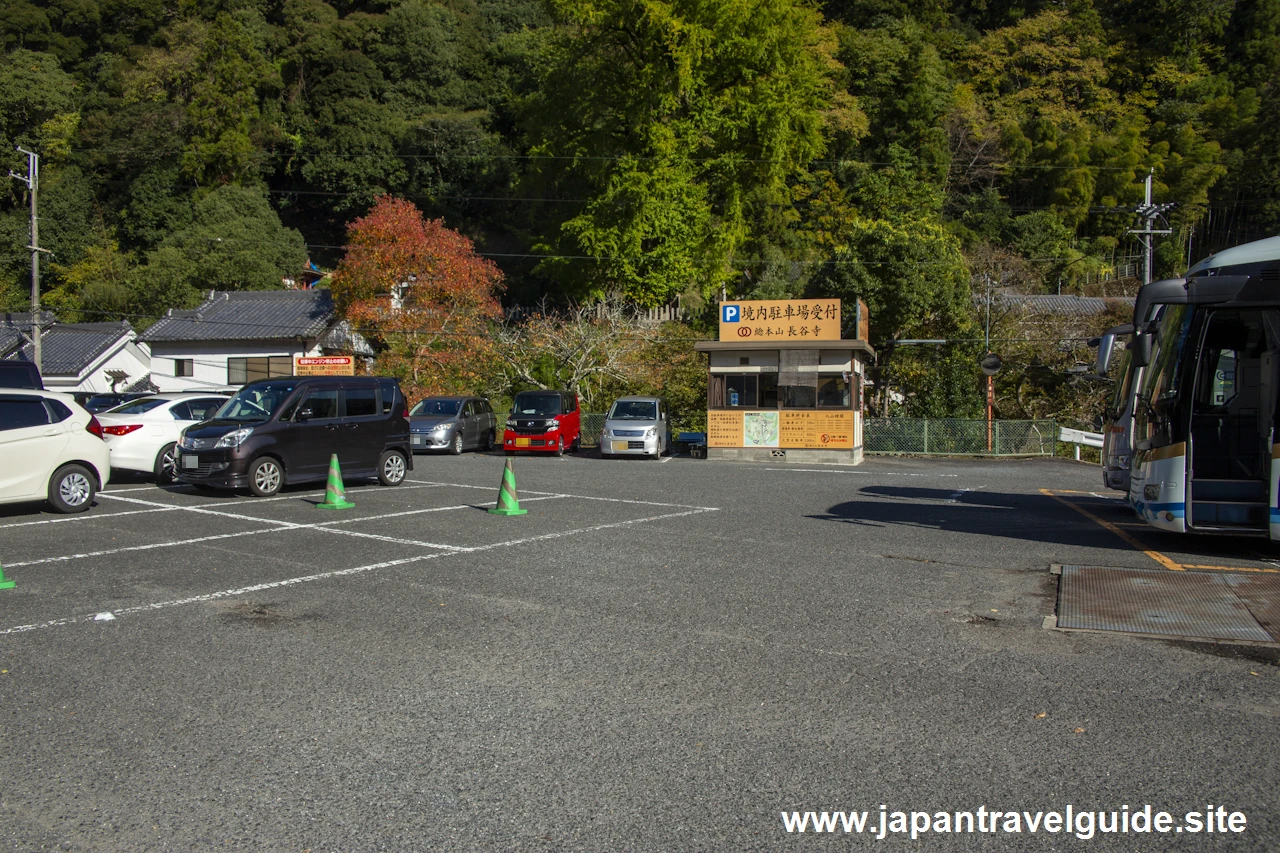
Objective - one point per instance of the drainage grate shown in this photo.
(1201, 605)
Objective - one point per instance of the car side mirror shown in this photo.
(1141, 350)
(305, 414)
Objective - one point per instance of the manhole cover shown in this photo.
(1212, 606)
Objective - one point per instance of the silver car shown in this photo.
(636, 426)
(454, 424)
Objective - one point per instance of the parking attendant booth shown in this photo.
(783, 385)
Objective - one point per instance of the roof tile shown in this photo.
(248, 315)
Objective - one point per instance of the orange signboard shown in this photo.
(818, 429)
(724, 429)
(788, 320)
(324, 365)
(811, 429)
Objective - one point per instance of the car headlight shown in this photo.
(441, 428)
(651, 432)
(511, 423)
(553, 424)
(234, 438)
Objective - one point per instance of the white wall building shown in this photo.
(236, 337)
(99, 357)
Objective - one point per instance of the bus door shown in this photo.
(1229, 479)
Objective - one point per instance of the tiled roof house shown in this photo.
(78, 356)
(235, 337)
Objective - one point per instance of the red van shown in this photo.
(543, 422)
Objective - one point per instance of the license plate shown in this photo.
(419, 439)
(190, 461)
(619, 445)
(522, 442)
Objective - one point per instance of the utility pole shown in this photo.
(1150, 213)
(32, 180)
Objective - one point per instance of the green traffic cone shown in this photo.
(508, 503)
(335, 496)
(4, 584)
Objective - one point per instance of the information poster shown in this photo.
(807, 429)
(818, 429)
(724, 429)
(324, 365)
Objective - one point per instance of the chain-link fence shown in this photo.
(956, 437)
(592, 426)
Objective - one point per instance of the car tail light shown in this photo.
(94, 427)
(118, 430)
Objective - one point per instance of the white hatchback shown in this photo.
(142, 433)
(50, 449)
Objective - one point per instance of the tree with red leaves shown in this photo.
(422, 295)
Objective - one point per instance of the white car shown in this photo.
(50, 449)
(142, 433)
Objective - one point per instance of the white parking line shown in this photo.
(100, 516)
(159, 507)
(213, 596)
(577, 497)
(325, 526)
(861, 473)
(281, 525)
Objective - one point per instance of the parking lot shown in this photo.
(657, 656)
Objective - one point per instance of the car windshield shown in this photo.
(634, 410)
(256, 403)
(137, 407)
(436, 408)
(536, 404)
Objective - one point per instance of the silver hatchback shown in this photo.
(636, 426)
(453, 424)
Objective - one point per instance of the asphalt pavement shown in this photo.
(657, 656)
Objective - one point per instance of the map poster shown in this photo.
(760, 429)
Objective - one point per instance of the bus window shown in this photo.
(1223, 387)
(1159, 391)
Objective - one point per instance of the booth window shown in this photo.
(742, 390)
(834, 393)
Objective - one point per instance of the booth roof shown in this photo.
(756, 345)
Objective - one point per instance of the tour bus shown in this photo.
(1205, 409)
(1117, 431)
(1117, 427)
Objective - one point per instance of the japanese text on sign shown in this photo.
(788, 319)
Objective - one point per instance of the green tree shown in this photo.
(224, 105)
(677, 121)
(235, 241)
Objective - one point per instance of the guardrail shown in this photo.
(1080, 438)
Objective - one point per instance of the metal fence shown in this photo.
(956, 437)
(592, 426)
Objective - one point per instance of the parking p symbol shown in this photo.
(731, 313)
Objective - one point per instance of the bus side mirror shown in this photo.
(1141, 350)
